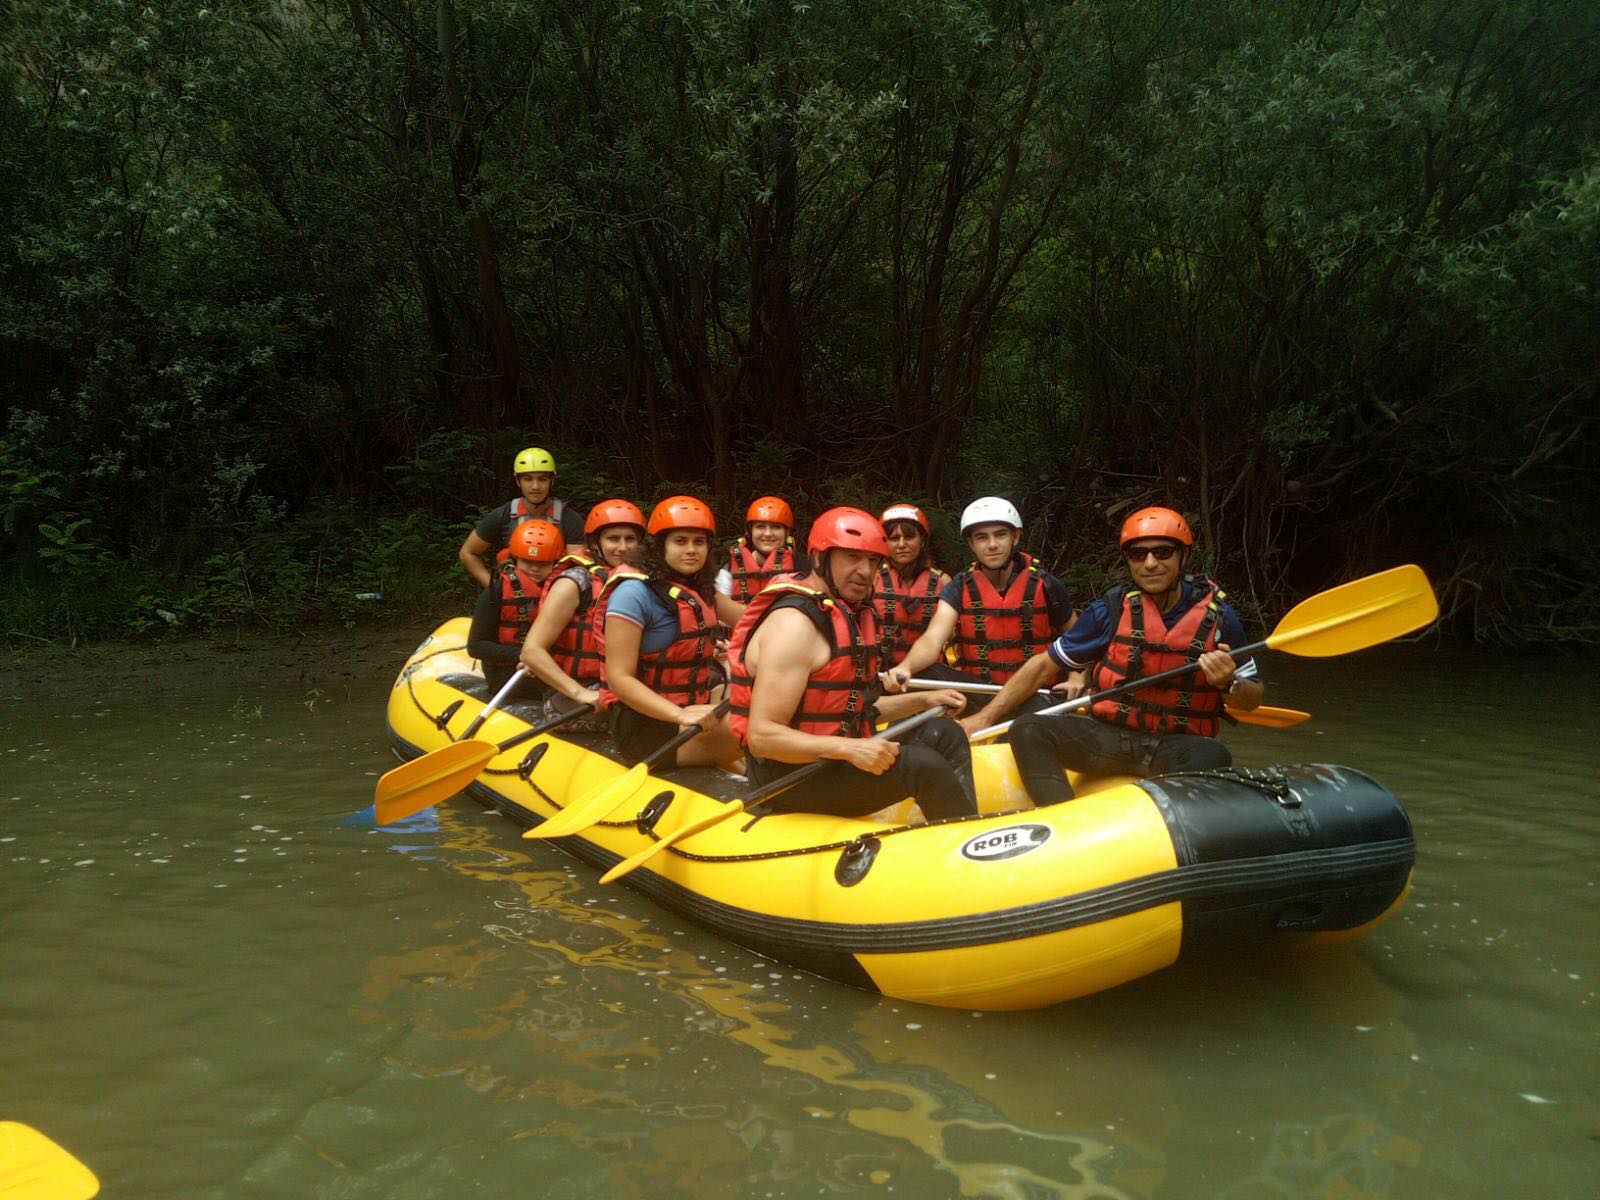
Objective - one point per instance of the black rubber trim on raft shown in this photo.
(1241, 880)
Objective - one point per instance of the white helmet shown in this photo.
(989, 510)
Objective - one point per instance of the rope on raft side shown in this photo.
(793, 852)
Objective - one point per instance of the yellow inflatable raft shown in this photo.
(1015, 908)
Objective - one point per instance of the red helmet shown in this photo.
(770, 508)
(613, 512)
(1156, 523)
(537, 541)
(906, 512)
(848, 529)
(682, 512)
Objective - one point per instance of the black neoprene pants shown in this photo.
(934, 768)
(1042, 745)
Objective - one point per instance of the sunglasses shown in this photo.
(1137, 553)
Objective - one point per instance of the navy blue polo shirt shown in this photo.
(1086, 641)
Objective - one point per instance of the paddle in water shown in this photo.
(600, 803)
(734, 807)
(1340, 620)
(440, 774)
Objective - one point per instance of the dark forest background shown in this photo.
(284, 285)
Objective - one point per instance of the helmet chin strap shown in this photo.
(822, 565)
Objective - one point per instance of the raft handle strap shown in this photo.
(1272, 782)
(443, 719)
(651, 812)
(530, 761)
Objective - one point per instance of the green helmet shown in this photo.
(533, 459)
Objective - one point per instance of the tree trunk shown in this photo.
(504, 366)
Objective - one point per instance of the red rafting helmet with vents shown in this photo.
(848, 529)
(537, 541)
(770, 508)
(906, 512)
(681, 512)
(1156, 523)
(613, 512)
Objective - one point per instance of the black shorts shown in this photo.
(638, 736)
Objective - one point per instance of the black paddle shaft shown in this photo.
(1142, 682)
(678, 739)
(544, 727)
(768, 790)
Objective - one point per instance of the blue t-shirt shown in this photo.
(954, 591)
(635, 601)
(1087, 640)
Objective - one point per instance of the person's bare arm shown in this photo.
(782, 655)
(729, 610)
(622, 673)
(1040, 671)
(471, 556)
(555, 614)
(893, 708)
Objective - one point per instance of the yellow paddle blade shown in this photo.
(424, 782)
(32, 1167)
(1269, 718)
(596, 806)
(1358, 614)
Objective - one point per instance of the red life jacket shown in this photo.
(751, 572)
(904, 609)
(1142, 646)
(520, 512)
(996, 634)
(682, 671)
(520, 594)
(834, 703)
(578, 651)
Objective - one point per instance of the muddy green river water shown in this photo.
(218, 979)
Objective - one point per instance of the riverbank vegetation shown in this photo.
(284, 284)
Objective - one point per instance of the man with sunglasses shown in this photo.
(1164, 620)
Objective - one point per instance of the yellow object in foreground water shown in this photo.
(32, 1167)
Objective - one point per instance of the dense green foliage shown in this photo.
(284, 283)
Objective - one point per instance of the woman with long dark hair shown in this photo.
(660, 629)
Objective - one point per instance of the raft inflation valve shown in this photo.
(1305, 914)
(651, 813)
(856, 860)
(531, 760)
(443, 719)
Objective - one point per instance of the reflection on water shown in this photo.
(215, 982)
(575, 1006)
